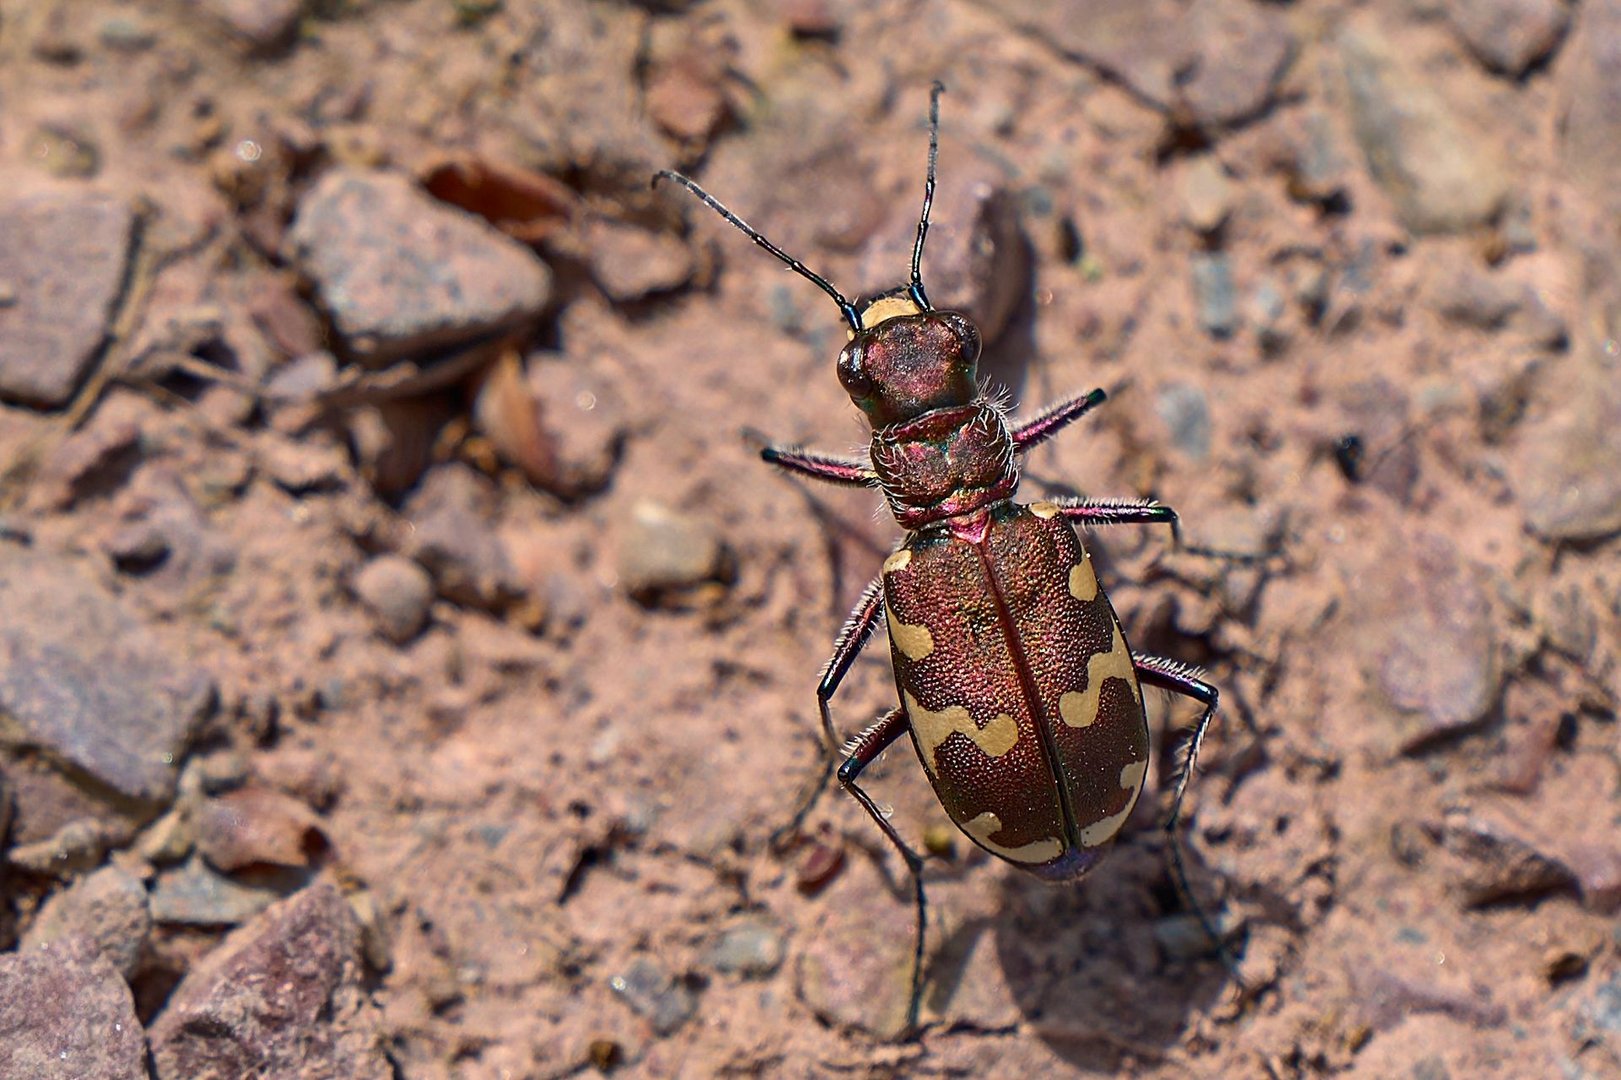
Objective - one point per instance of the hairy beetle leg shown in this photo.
(829, 468)
(864, 749)
(1183, 679)
(1054, 418)
(847, 646)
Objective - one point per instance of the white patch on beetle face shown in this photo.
(1080, 708)
(986, 825)
(933, 727)
(898, 561)
(885, 308)
(1044, 510)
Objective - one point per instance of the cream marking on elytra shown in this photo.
(898, 561)
(933, 728)
(1083, 583)
(1102, 831)
(987, 824)
(912, 639)
(1079, 709)
(1044, 510)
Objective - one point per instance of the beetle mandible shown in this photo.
(1021, 696)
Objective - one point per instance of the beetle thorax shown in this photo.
(945, 463)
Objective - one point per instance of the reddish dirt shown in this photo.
(552, 804)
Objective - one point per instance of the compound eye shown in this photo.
(853, 370)
(967, 333)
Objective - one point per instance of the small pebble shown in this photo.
(398, 593)
(665, 552)
(753, 948)
(1508, 36)
(1186, 412)
(651, 992)
(1207, 195)
(1215, 293)
(820, 863)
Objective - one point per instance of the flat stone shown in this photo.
(266, 25)
(555, 418)
(1437, 661)
(304, 466)
(108, 908)
(281, 996)
(401, 273)
(856, 970)
(63, 258)
(454, 536)
(647, 988)
(1508, 36)
(664, 553)
(1215, 293)
(45, 802)
(1592, 97)
(1566, 468)
(751, 947)
(194, 894)
(1470, 297)
(66, 1014)
(72, 850)
(1186, 412)
(1500, 860)
(1211, 63)
(630, 263)
(82, 681)
(1440, 177)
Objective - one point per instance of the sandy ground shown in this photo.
(366, 411)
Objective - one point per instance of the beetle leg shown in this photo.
(1120, 512)
(1054, 418)
(847, 646)
(1147, 512)
(850, 472)
(863, 749)
(1184, 679)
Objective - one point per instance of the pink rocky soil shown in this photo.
(405, 661)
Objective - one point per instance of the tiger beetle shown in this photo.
(1021, 696)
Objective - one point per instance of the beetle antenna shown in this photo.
(846, 308)
(918, 296)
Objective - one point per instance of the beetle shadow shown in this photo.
(1110, 970)
(1005, 365)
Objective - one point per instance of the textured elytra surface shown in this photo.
(557, 771)
(1018, 681)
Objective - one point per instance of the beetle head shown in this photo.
(908, 359)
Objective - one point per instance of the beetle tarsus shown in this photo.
(865, 748)
(1185, 679)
